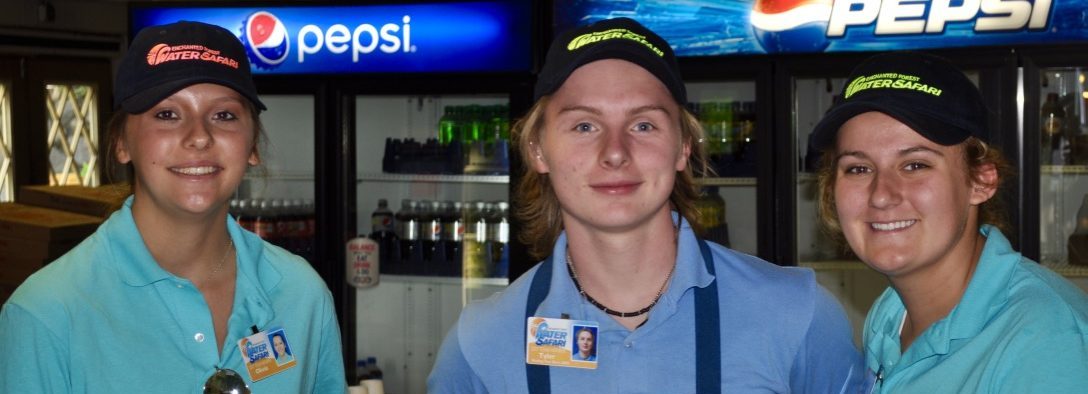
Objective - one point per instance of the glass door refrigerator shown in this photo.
(1054, 124)
(431, 183)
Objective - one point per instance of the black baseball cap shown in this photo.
(619, 38)
(924, 91)
(167, 58)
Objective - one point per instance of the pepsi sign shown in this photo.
(724, 27)
(487, 36)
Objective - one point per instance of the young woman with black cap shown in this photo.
(908, 179)
(170, 294)
(608, 194)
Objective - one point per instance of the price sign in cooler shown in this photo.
(362, 262)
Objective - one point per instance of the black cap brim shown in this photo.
(933, 127)
(144, 100)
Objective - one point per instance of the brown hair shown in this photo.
(115, 131)
(539, 209)
(976, 153)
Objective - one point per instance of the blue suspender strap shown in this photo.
(708, 361)
(708, 348)
(538, 376)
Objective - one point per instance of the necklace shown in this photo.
(230, 246)
(574, 277)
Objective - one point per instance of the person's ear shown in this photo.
(539, 163)
(120, 151)
(685, 156)
(984, 183)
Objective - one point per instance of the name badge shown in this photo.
(267, 353)
(561, 342)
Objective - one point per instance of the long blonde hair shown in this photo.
(539, 209)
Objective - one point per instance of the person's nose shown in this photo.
(199, 136)
(885, 191)
(615, 148)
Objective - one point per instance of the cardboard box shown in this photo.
(35, 249)
(27, 222)
(93, 201)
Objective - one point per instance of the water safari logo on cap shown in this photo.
(163, 53)
(889, 81)
(598, 36)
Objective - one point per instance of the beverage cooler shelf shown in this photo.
(432, 178)
(445, 280)
(1073, 170)
(727, 181)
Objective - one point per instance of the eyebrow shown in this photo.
(902, 152)
(595, 111)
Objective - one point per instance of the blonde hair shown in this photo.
(976, 154)
(539, 208)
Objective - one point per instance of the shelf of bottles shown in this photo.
(812, 98)
(444, 169)
(432, 178)
(1063, 172)
(726, 111)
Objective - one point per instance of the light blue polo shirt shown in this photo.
(1019, 328)
(105, 318)
(780, 332)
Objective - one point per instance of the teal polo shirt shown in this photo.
(1019, 328)
(780, 332)
(106, 318)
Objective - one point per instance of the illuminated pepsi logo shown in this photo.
(266, 38)
(791, 25)
(807, 25)
(363, 39)
(894, 17)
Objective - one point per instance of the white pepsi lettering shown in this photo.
(304, 49)
(336, 38)
(911, 16)
(942, 11)
(1040, 13)
(407, 33)
(900, 17)
(842, 15)
(392, 42)
(1009, 15)
(363, 39)
(357, 47)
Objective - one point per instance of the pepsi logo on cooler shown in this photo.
(266, 39)
(791, 25)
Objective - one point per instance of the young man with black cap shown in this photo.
(170, 294)
(608, 199)
(908, 179)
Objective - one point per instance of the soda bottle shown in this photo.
(1053, 120)
(363, 263)
(711, 208)
(373, 381)
(477, 261)
(453, 231)
(475, 127)
(411, 246)
(383, 231)
(498, 227)
(449, 125)
(361, 372)
(265, 223)
(434, 251)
